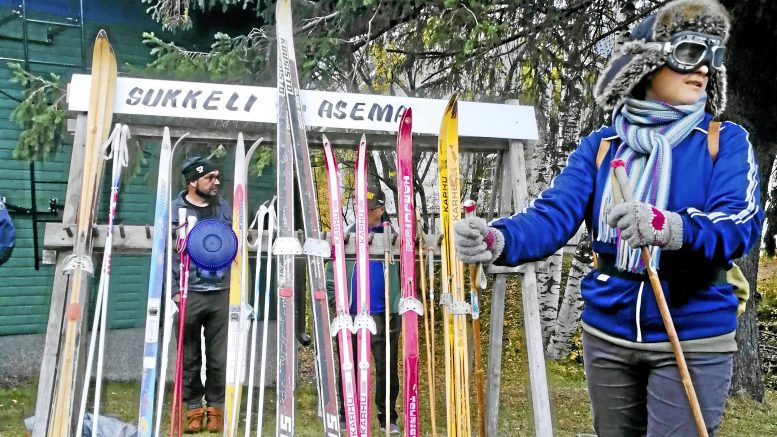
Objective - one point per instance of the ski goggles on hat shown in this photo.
(687, 51)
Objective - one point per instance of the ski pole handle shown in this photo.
(190, 222)
(387, 242)
(621, 190)
(477, 278)
(181, 230)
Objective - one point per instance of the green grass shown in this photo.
(569, 401)
(571, 414)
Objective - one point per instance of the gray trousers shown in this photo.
(640, 393)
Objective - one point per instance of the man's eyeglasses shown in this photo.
(212, 177)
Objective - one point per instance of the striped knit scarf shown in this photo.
(650, 130)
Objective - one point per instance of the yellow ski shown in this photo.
(455, 308)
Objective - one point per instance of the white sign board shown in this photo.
(361, 112)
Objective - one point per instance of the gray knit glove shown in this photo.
(476, 242)
(642, 224)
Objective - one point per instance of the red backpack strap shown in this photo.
(604, 147)
(713, 139)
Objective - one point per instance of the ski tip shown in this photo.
(452, 106)
(166, 138)
(325, 140)
(363, 139)
(102, 34)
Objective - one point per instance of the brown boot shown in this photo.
(194, 420)
(215, 419)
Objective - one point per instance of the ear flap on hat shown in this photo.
(624, 72)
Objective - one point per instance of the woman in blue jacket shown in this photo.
(696, 213)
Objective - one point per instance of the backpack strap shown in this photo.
(713, 144)
(604, 147)
(713, 139)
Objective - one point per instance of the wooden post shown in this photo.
(48, 368)
(496, 326)
(543, 426)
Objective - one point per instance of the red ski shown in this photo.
(409, 306)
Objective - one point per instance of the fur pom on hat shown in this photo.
(633, 58)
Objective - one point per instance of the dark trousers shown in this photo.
(378, 346)
(208, 310)
(640, 393)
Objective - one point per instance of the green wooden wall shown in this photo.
(24, 291)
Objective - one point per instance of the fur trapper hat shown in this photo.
(633, 58)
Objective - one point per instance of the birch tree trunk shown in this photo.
(568, 318)
(549, 293)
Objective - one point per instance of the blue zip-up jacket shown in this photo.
(719, 203)
(377, 282)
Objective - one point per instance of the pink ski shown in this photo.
(363, 322)
(342, 325)
(409, 306)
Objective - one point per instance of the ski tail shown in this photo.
(155, 283)
(445, 296)
(79, 265)
(315, 249)
(459, 309)
(239, 317)
(286, 245)
(409, 306)
(364, 324)
(170, 307)
(342, 325)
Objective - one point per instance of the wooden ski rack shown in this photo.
(136, 239)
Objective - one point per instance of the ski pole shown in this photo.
(430, 262)
(185, 224)
(475, 281)
(115, 148)
(252, 361)
(622, 193)
(259, 221)
(387, 324)
(429, 360)
(265, 325)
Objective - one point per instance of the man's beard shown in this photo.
(206, 195)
